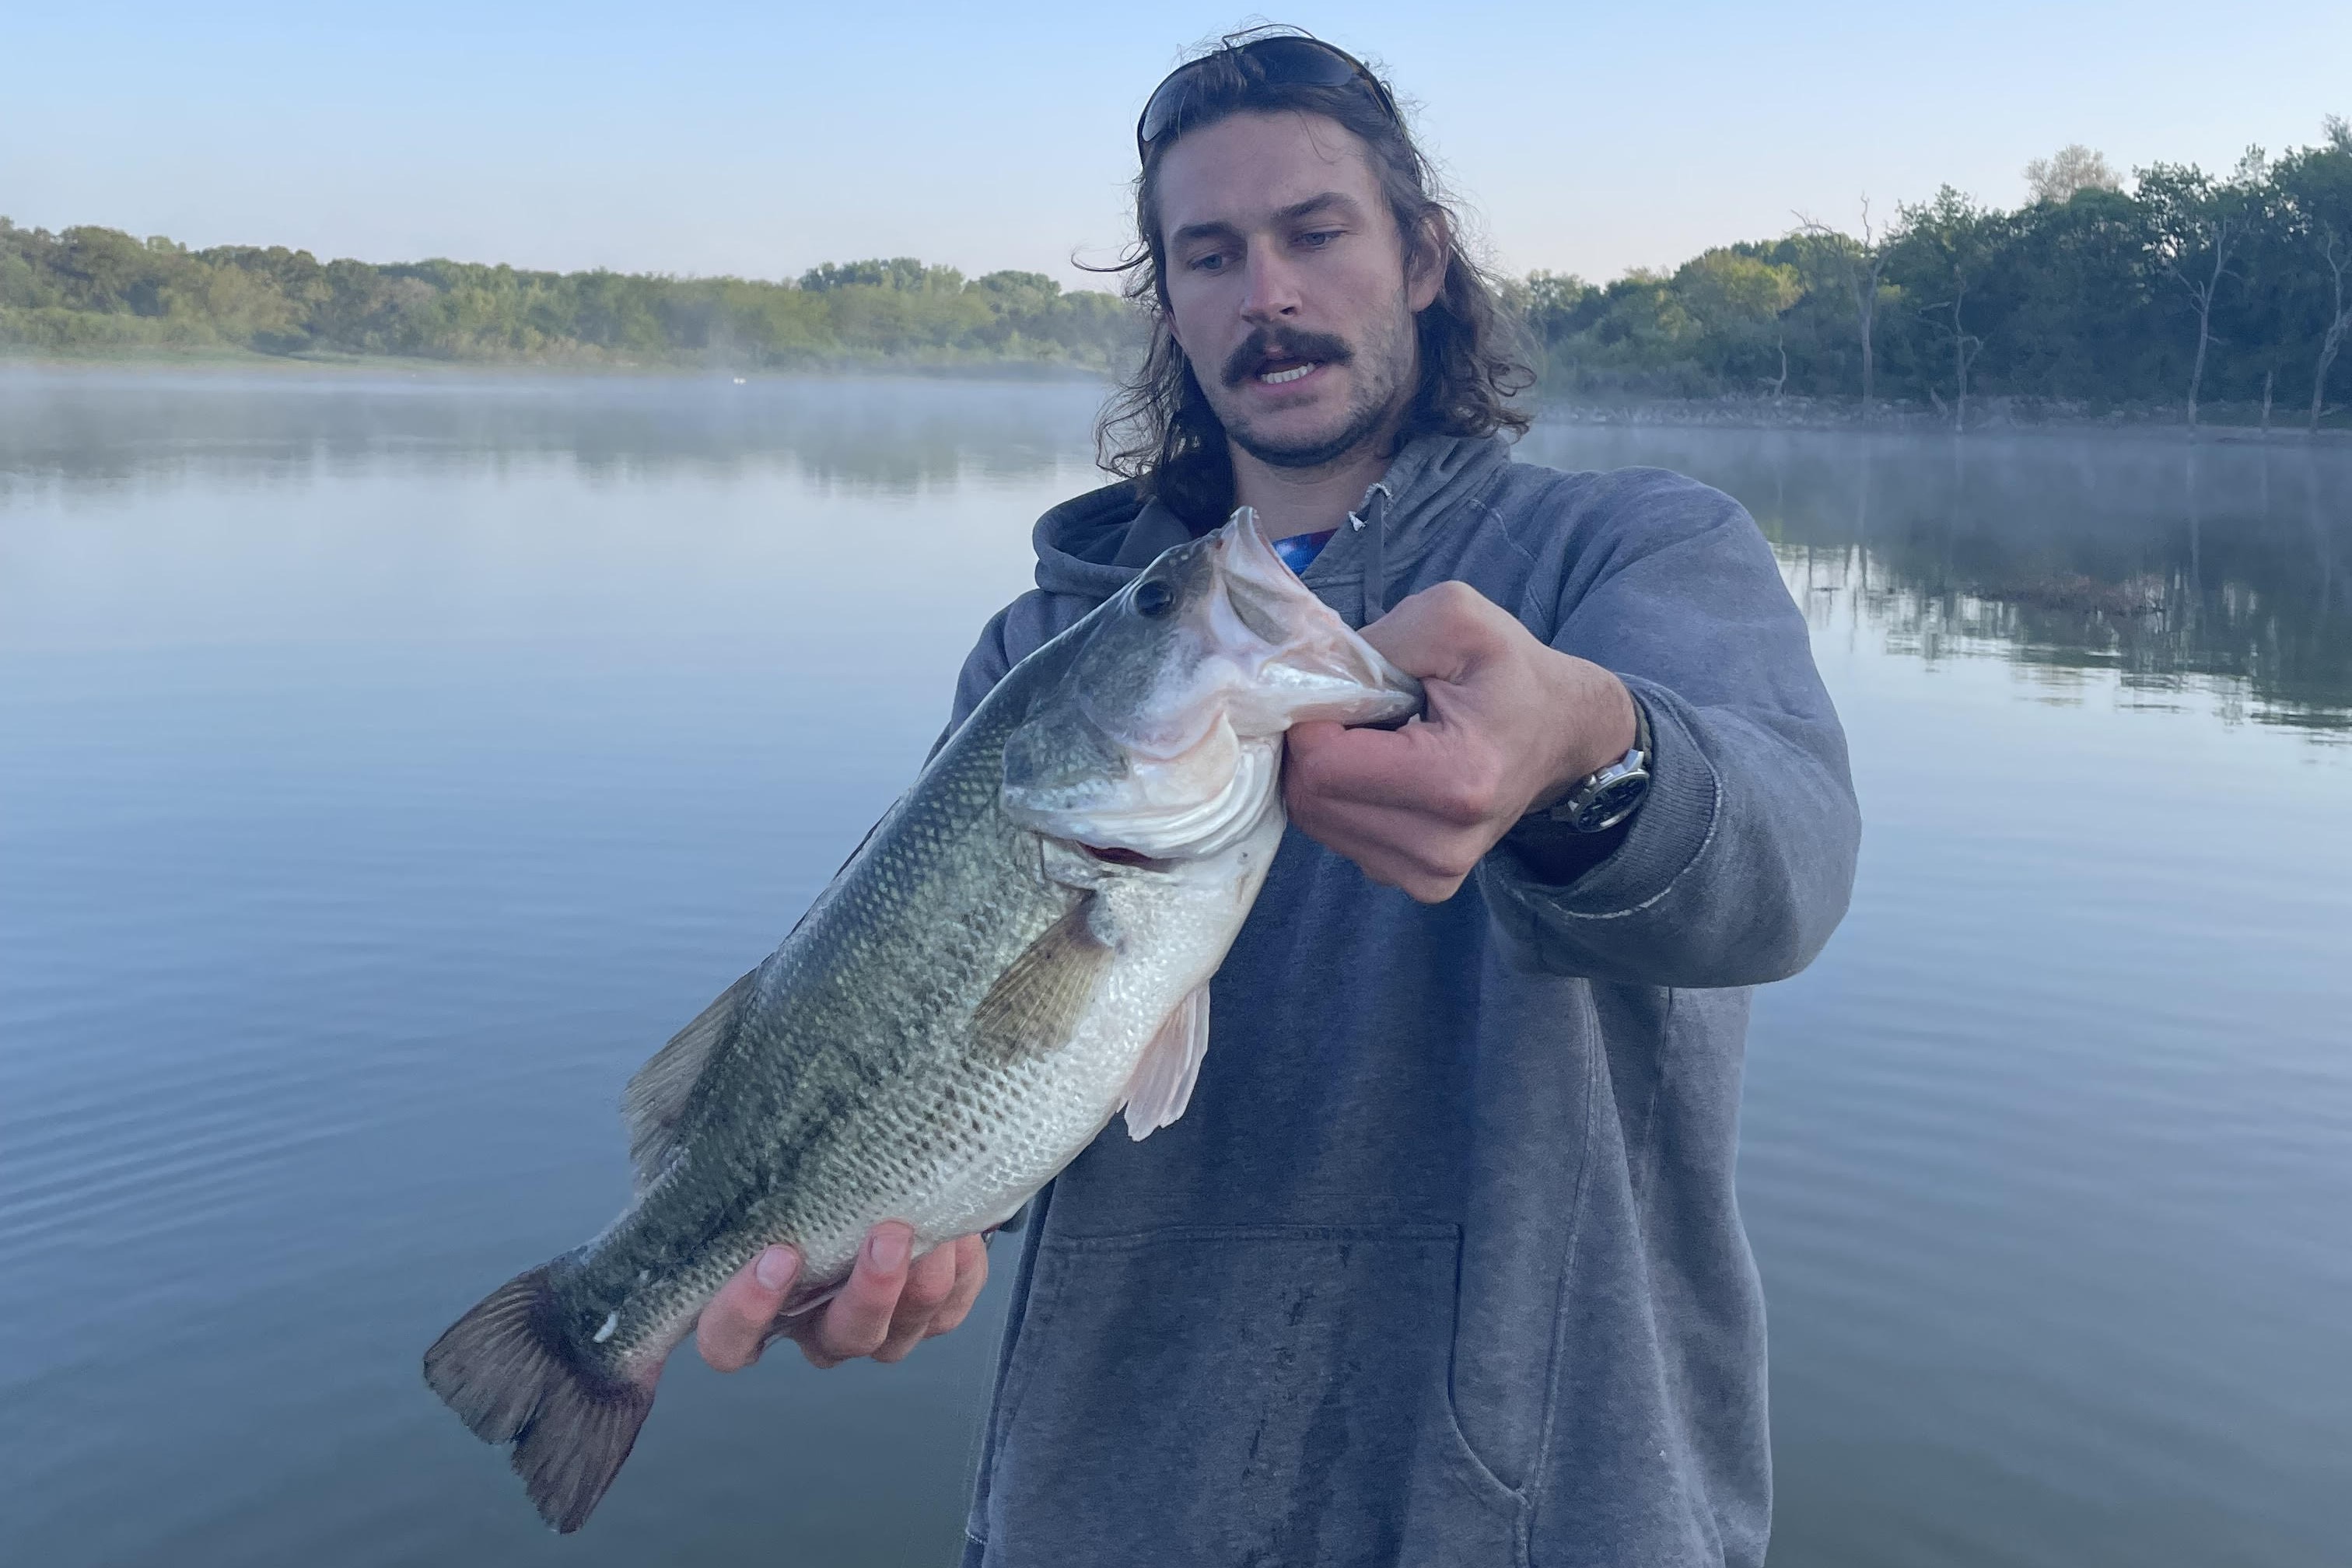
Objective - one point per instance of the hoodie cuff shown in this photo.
(1664, 838)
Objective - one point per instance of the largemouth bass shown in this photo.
(1019, 951)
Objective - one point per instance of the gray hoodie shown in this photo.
(1444, 1265)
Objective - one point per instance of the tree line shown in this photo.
(2175, 289)
(2178, 289)
(87, 289)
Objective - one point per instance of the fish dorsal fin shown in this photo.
(1035, 1005)
(655, 1103)
(1163, 1085)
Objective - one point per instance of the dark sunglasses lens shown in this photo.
(1302, 62)
(1164, 106)
(1289, 62)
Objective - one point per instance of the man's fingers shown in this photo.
(972, 1273)
(1424, 768)
(929, 1282)
(891, 1302)
(1372, 765)
(1442, 633)
(857, 1322)
(1397, 847)
(736, 1323)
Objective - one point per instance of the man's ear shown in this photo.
(1425, 270)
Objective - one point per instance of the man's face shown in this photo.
(1287, 284)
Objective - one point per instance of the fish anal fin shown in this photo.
(1170, 1066)
(1035, 1005)
(654, 1101)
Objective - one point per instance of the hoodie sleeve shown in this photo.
(1740, 861)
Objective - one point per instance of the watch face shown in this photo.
(1612, 803)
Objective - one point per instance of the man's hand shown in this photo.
(1511, 725)
(890, 1305)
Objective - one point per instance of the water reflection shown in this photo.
(387, 768)
(93, 430)
(2187, 570)
(2182, 569)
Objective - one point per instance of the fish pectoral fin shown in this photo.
(1163, 1085)
(654, 1101)
(1035, 1005)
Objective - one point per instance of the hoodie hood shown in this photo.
(1094, 545)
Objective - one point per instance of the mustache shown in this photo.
(1271, 342)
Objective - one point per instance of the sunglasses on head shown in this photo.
(1283, 60)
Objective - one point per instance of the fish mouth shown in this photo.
(1120, 854)
(1306, 663)
(1152, 769)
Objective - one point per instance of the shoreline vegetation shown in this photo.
(2187, 298)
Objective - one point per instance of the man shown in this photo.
(1444, 1265)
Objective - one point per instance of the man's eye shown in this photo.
(1319, 238)
(1212, 262)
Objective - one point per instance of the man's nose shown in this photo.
(1272, 288)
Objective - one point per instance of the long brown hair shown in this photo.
(1158, 428)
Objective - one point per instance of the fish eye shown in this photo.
(1152, 597)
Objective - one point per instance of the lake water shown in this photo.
(387, 765)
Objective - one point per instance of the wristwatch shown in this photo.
(1607, 796)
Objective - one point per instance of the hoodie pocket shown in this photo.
(1242, 1396)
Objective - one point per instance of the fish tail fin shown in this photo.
(513, 1376)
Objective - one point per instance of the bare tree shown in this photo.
(2312, 187)
(1951, 239)
(1966, 346)
(2198, 224)
(2338, 253)
(1860, 263)
(2072, 168)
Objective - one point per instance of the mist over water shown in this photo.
(388, 765)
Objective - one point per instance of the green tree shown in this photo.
(2074, 294)
(1741, 304)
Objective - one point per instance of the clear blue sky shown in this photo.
(761, 139)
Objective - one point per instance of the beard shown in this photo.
(1383, 367)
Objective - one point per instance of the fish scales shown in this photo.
(821, 1104)
(1022, 945)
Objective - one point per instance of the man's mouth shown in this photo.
(1280, 358)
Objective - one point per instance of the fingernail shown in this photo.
(888, 1248)
(776, 1267)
